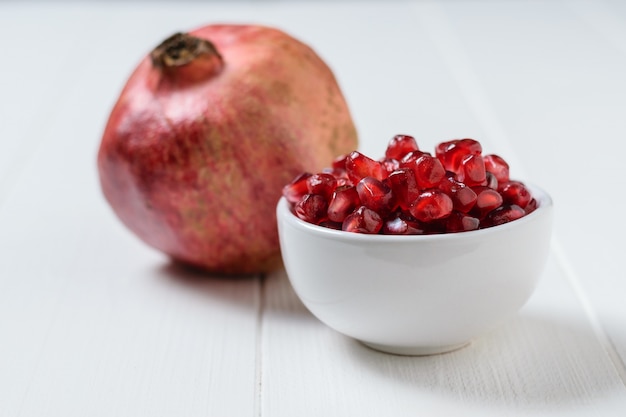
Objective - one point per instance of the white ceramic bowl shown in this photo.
(416, 295)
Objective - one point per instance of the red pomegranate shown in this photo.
(205, 134)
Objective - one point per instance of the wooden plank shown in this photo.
(34, 56)
(550, 360)
(546, 361)
(93, 322)
(554, 83)
(609, 22)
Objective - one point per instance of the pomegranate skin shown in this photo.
(193, 159)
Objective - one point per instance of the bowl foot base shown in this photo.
(415, 350)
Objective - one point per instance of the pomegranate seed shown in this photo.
(497, 166)
(411, 192)
(389, 165)
(428, 171)
(339, 174)
(401, 225)
(376, 195)
(322, 184)
(404, 186)
(514, 192)
(340, 162)
(460, 222)
(400, 145)
(343, 182)
(344, 201)
(463, 197)
(296, 189)
(492, 181)
(503, 214)
(395, 226)
(486, 200)
(452, 153)
(360, 166)
(449, 176)
(363, 220)
(470, 146)
(431, 205)
(408, 161)
(311, 208)
(440, 150)
(472, 171)
(330, 225)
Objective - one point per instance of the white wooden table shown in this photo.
(94, 323)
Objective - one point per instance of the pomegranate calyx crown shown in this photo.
(181, 49)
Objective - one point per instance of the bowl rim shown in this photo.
(544, 203)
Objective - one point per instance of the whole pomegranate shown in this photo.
(206, 132)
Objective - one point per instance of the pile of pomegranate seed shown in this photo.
(411, 192)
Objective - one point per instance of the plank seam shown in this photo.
(258, 378)
(572, 277)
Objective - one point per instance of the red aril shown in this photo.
(311, 208)
(431, 205)
(401, 224)
(404, 186)
(408, 160)
(415, 194)
(376, 195)
(389, 165)
(340, 162)
(428, 171)
(461, 222)
(395, 226)
(340, 175)
(344, 201)
(503, 214)
(451, 153)
(359, 166)
(491, 181)
(323, 184)
(486, 200)
(440, 151)
(514, 192)
(463, 197)
(472, 170)
(329, 224)
(498, 167)
(363, 220)
(532, 206)
(399, 146)
(342, 181)
(297, 188)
